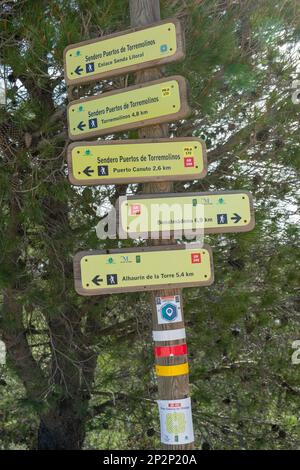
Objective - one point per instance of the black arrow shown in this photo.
(97, 280)
(88, 171)
(236, 218)
(81, 126)
(78, 70)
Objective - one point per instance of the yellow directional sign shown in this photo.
(124, 52)
(141, 269)
(136, 161)
(187, 213)
(155, 102)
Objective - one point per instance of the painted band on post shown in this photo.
(160, 101)
(172, 371)
(124, 52)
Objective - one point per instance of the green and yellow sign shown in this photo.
(124, 52)
(136, 161)
(141, 269)
(186, 213)
(156, 102)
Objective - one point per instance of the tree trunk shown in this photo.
(63, 428)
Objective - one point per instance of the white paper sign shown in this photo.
(176, 425)
(168, 309)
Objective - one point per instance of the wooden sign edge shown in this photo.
(129, 180)
(77, 273)
(238, 229)
(183, 112)
(177, 56)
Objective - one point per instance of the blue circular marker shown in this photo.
(169, 312)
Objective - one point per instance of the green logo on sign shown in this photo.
(175, 423)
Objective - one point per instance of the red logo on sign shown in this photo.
(189, 162)
(196, 258)
(135, 209)
(174, 405)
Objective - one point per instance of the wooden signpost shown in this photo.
(210, 212)
(136, 161)
(125, 52)
(155, 160)
(142, 269)
(162, 100)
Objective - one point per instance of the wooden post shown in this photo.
(142, 13)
